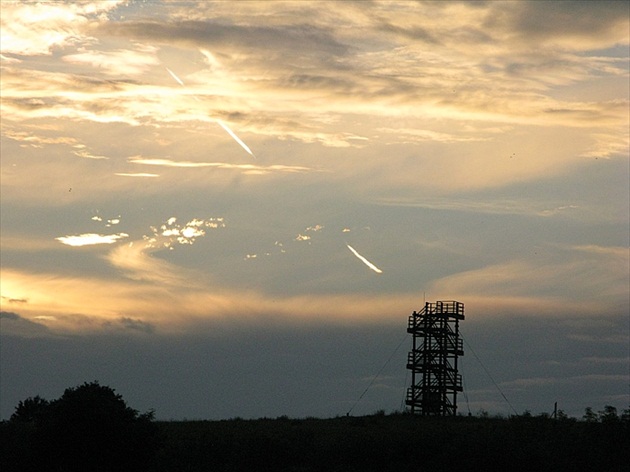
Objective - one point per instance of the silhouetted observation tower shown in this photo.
(433, 359)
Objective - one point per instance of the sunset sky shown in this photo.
(229, 209)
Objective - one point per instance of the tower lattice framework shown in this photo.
(433, 358)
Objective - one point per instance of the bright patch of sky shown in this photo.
(170, 233)
(89, 239)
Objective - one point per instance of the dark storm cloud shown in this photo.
(293, 39)
(14, 324)
(136, 325)
(9, 315)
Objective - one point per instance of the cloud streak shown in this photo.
(248, 168)
(221, 123)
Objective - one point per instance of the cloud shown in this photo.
(88, 155)
(608, 144)
(492, 26)
(40, 93)
(283, 42)
(117, 63)
(135, 261)
(98, 299)
(423, 135)
(9, 315)
(14, 324)
(37, 140)
(175, 299)
(569, 24)
(36, 28)
(365, 84)
(540, 286)
(9, 60)
(413, 77)
(247, 168)
(14, 300)
(485, 81)
(490, 206)
(130, 324)
(171, 232)
(25, 243)
(90, 239)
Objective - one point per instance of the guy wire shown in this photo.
(377, 374)
(488, 373)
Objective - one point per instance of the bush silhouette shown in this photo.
(89, 427)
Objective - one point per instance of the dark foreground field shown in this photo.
(394, 443)
(79, 434)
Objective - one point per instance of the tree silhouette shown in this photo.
(30, 410)
(589, 415)
(89, 427)
(609, 414)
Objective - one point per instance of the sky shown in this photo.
(230, 209)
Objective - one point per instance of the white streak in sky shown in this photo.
(250, 168)
(364, 260)
(236, 138)
(177, 79)
(137, 174)
(223, 125)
